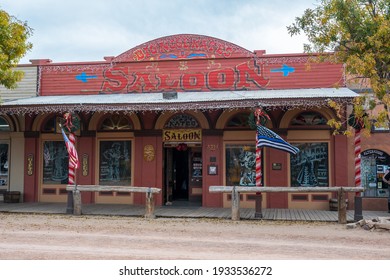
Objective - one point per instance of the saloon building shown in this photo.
(176, 113)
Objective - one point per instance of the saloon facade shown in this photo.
(176, 113)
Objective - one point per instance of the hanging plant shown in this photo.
(70, 122)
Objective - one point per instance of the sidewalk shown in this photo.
(187, 212)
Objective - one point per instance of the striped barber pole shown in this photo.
(73, 157)
(72, 164)
(259, 173)
(358, 180)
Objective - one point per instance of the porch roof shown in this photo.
(288, 98)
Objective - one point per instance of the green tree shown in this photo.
(357, 33)
(13, 46)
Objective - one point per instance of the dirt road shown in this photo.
(29, 236)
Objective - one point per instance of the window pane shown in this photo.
(374, 164)
(239, 120)
(240, 165)
(309, 168)
(4, 126)
(309, 118)
(3, 165)
(115, 163)
(116, 122)
(55, 162)
(182, 121)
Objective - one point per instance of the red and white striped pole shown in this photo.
(71, 166)
(358, 180)
(259, 172)
(358, 215)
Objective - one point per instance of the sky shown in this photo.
(89, 30)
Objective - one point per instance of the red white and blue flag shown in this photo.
(268, 138)
(73, 157)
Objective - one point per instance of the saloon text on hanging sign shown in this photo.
(182, 135)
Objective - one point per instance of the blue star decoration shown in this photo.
(285, 69)
(84, 77)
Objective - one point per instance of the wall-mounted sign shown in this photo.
(182, 135)
(212, 169)
(212, 147)
(276, 166)
(85, 165)
(30, 164)
(149, 153)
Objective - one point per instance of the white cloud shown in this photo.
(91, 29)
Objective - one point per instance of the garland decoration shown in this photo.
(71, 122)
(259, 117)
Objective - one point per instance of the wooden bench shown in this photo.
(149, 205)
(236, 190)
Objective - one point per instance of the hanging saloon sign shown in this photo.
(182, 135)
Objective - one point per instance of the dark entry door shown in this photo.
(180, 164)
(176, 175)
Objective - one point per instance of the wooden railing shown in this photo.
(236, 190)
(149, 205)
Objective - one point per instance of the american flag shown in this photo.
(268, 138)
(73, 157)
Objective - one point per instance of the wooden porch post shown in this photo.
(149, 206)
(235, 205)
(342, 207)
(77, 202)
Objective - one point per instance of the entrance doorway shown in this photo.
(182, 175)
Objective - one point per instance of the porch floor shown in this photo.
(187, 212)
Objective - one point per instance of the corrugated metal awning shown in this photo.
(185, 101)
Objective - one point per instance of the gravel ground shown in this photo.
(54, 237)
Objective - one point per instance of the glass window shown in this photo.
(3, 164)
(374, 164)
(240, 165)
(182, 121)
(115, 163)
(308, 118)
(55, 162)
(239, 120)
(116, 122)
(4, 126)
(309, 168)
(50, 125)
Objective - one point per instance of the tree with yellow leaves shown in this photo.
(13, 46)
(357, 33)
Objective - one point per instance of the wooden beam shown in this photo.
(228, 189)
(102, 188)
